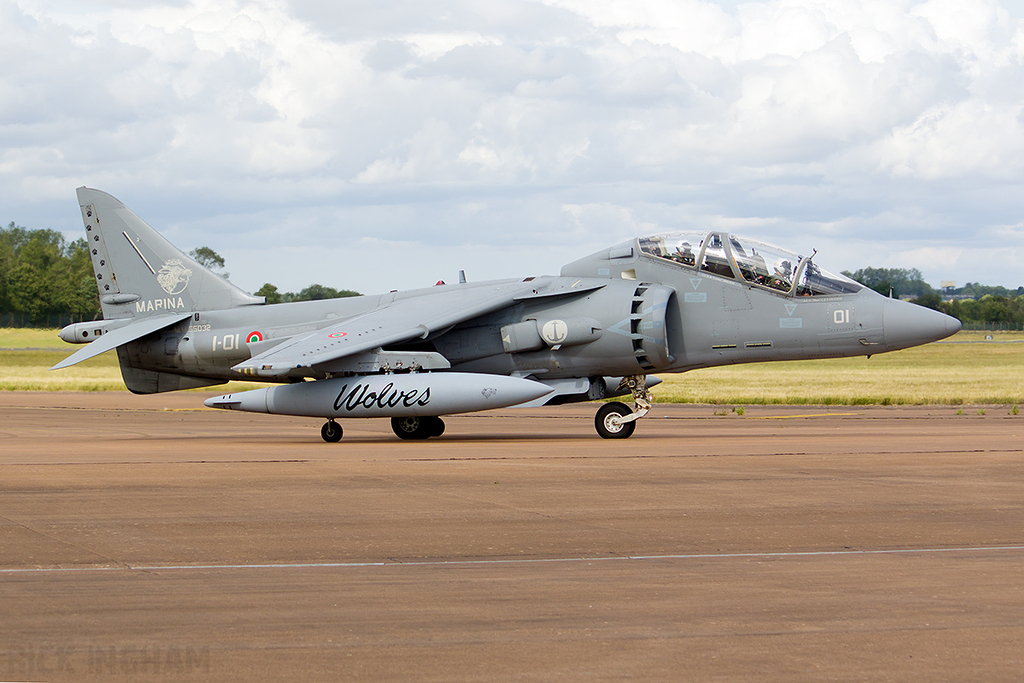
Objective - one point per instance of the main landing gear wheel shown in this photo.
(437, 426)
(410, 428)
(331, 432)
(609, 421)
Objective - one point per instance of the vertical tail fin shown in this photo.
(139, 273)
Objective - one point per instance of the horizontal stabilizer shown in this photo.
(120, 336)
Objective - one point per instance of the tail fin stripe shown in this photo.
(138, 252)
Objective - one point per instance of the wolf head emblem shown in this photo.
(173, 276)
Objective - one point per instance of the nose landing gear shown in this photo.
(610, 422)
(616, 420)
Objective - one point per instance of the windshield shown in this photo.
(817, 282)
(757, 263)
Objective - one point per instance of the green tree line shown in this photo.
(45, 278)
(971, 304)
(311, 293)
(989, 308)
(42, 275)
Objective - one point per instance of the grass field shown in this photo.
(965, 370)
(26, 356)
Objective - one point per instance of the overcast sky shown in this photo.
(377, 145)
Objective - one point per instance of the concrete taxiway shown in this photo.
(148, 538)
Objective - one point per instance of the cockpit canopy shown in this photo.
(750, 261)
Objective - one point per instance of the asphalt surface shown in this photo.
(149, 538)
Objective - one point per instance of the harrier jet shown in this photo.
(602, 328)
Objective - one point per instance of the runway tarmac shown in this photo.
(149, 538)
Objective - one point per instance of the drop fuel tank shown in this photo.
(397, 395)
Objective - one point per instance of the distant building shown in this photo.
(946, 289)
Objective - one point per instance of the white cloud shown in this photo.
(969, 138)
(264, 124)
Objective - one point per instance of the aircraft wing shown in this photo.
(401, 320)
(121, 335)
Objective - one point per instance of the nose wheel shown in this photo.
(617, 420)
(610, 423)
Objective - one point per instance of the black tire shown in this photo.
(436, 425)
(606, 423)
(411, 428)
(331, 432)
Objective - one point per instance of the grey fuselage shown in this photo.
(635, 313)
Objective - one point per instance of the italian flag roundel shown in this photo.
(254, 336)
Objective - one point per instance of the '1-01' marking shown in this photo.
(229, 342)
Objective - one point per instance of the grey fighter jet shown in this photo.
(602, 328)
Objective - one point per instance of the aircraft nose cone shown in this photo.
(906, 324)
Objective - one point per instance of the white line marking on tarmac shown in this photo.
(472, 563)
